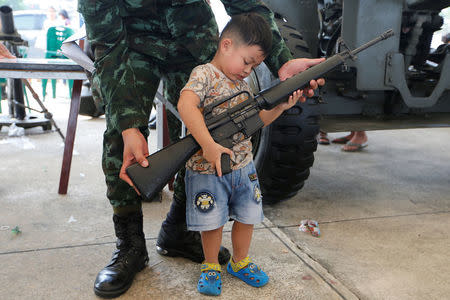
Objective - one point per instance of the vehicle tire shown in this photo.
(292, 37)
(284, 151)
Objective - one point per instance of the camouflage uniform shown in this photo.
(137, 42)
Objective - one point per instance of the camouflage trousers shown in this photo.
(136, 80)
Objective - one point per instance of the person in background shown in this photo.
(52, 19)
(323, 138)
(354, 142)
(446, 38)
(64, 16)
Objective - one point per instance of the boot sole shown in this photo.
(176, 253)
(112, 294)
(117, 293)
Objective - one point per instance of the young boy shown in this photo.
(211, 199)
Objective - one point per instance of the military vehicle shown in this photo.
(399, 83)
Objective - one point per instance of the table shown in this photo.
(52, 69)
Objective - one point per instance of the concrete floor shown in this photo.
(383, 213)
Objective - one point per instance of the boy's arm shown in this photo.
(195, 123)
(268, 116)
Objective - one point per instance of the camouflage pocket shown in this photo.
(104, 24)
(186, 20)
(91, 7)
(194, 27)
(183, 2)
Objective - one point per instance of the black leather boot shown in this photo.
(175, 240)
(130, 257)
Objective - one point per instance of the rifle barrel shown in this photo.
(379, 38)
(269, 98)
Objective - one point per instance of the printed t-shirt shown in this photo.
(211, 85)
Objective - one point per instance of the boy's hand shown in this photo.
(296, 96)
(213, 152)
(135, 149)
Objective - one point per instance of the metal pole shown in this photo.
(7, 23)
(47, 114)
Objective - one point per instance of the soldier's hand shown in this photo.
(298, 65)
(135, 149)
(296, 96)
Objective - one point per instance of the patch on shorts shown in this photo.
(257, 194)
(204, 201)
(253, 176)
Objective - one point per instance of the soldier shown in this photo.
(136, 43)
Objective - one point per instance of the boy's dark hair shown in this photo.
(250, 29)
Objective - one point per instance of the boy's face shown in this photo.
(240, 59)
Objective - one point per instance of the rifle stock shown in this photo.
(163, 165)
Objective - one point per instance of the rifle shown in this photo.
(244, 117)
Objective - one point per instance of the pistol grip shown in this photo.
(225, 164)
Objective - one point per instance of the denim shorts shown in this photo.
(213, 200)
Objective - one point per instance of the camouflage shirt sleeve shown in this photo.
(280, 52)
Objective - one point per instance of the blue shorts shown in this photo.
(213, 200)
